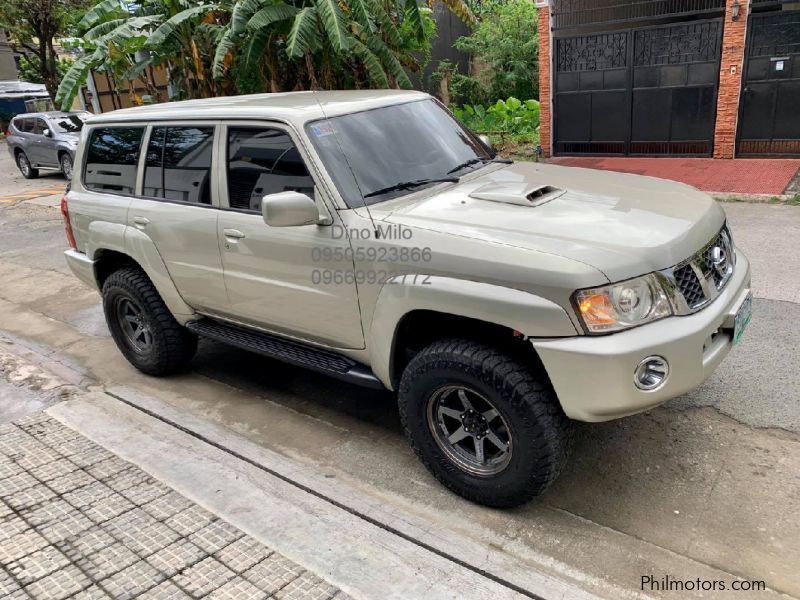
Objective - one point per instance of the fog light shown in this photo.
(651, 373)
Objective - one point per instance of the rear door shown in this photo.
(177, 208)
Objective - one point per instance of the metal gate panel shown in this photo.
(592, 78)
(644, 91)
(769, 118)
(676, 71)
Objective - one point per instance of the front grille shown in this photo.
(698, 280)
(689, 285)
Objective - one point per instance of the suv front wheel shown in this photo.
(143, 328)
(483, 423)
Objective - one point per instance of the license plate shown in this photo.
(742, 319)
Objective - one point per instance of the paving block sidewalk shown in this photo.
(78, 522)
(739, 176)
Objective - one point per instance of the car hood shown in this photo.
(623, 225)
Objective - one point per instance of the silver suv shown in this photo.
(369, 236)
(45, 141)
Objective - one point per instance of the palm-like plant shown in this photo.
(174, 33)
(290, 44)
(325, 41)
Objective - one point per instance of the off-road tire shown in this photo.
(542, 433)
(30, 172)
(172, 346)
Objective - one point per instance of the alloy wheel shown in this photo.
(469, 430)
(66, 167)
(24, 164)
(134, 325)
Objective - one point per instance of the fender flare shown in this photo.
(527, 313)
(141, 249)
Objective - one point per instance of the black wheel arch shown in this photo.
(419, 328)
(108, 261)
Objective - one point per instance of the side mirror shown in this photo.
(47, 132)
(488, 143)
(289, 209)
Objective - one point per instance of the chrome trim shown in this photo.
(704, 273)
(653, 363)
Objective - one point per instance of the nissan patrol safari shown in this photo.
(370, 236)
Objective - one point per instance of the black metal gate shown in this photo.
(769, 117)
(643, 91)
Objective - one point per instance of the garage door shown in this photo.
(769, 121)
(643, 91)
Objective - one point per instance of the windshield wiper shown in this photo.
(407, 185)
(474, 161)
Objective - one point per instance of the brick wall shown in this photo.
(544, 79)
(730, 80)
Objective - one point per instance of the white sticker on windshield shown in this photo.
(322, 129)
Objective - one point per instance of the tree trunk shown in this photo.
(50, 73)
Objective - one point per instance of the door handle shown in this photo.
(141, 221)
(233, 234)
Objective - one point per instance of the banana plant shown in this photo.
(370, 40)
(175, 33)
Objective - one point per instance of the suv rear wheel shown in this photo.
(483, 423)
(66, 166)
(143, 328)
(24, 166)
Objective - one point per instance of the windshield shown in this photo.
(377, 149)
(69, 123)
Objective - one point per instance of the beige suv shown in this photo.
(369, 236)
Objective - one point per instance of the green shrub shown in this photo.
(505, 51)
(512, 116)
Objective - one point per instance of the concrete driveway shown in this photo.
(707, 486)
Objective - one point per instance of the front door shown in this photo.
(41, 147)
(770, 106)
(177, 208)
(298, 281)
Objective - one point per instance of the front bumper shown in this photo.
(593, 376)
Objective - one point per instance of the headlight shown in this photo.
(622, 305)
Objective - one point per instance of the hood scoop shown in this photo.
(521, 194)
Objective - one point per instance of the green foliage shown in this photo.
(31, 28)
(302, 44)
(512, 116)
(220, 47)
(171, 26)
(504, 50)
(29, 68)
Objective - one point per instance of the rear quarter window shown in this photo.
(112, 156)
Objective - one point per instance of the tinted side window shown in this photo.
(111, 158)
(178, 164)
(38, 126)
(27, 126)
(263, 161)
(19, 124)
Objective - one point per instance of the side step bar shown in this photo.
(290, 351)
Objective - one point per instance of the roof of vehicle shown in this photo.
(295, 107)
(53, 114)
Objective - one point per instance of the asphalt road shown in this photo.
(709, 483)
